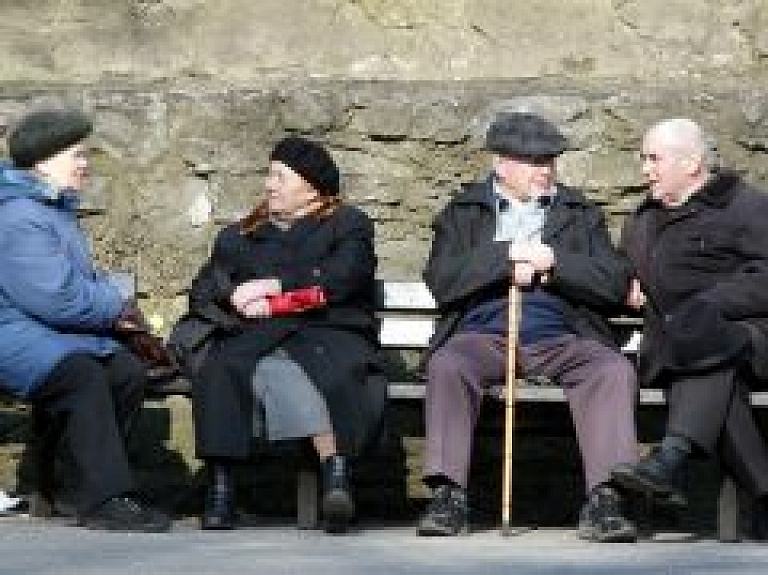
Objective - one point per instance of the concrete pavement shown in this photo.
(34, 547)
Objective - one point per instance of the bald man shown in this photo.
(699, 248)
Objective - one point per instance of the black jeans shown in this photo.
(88, 404)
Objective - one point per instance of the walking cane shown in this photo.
(510, 384)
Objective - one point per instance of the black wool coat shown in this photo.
(466, 267)
(704, 269)
(336, 345)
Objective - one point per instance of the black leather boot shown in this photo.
(602, 518)
(338, 507)
(659, 475)
(220, 497)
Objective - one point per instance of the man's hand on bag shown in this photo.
(254, 290)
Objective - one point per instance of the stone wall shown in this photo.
(188, 96)
(173, 163)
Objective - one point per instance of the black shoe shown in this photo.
(658, 475)
(447, 514)
(602, 520)
(125, 513)
(219, 511)
(338, 508)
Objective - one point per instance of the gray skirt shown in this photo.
(287, 403)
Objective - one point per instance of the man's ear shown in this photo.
(693, 164)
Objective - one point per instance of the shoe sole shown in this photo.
(624, 536)
(109, 526)
(338, 511)
(661, 494)
(218, 526)
(432, 529)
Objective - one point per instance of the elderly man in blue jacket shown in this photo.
(59, 318)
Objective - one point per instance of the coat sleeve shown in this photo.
(212, 285)
(597, 278)
(349, 266)
(742, 294)
(456, 268)
(40, 279)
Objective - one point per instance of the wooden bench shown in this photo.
(408, 313)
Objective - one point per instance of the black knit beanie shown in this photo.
(311, 161)
(44, 133)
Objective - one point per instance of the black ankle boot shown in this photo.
(220, 498)
(659, 475)
(338, 507)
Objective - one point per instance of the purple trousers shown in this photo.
(599, 384)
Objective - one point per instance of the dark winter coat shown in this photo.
(336, 344)
(466, 267)
(704, 269)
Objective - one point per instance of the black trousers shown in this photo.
(88, 405)
(223, 408)
(712, 410)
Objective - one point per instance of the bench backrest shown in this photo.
(407, 312)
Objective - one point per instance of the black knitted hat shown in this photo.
(311, 161)
(524, 134)
(44, 133)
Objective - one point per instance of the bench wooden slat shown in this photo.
(547, 393)
(534, 393)
(394, 295)
(406, 331)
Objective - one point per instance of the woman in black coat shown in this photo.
(294, 355)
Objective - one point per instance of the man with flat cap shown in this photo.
(519, 225)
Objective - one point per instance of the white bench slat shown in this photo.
(406, 331)
(415, 330)
(547, 393)
(404, 295)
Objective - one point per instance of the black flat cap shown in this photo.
(524, 134)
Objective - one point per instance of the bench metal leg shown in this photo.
(306, 499)
(729, 511)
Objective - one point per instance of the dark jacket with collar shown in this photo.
(703, 267)
(466, 267)
(336, 345)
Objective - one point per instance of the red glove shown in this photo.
(296, 301)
